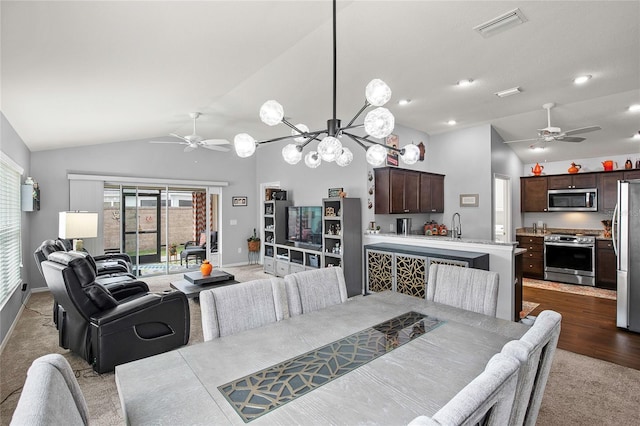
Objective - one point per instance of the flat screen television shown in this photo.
(304, 225)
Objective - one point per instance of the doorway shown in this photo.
(141, 225)
(501, 208)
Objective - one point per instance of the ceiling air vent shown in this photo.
(501, 23)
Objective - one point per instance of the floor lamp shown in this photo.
(78, 225)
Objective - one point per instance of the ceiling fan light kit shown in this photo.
(378, 123)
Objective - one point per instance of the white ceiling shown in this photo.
(81, 73)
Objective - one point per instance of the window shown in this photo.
(10, 214)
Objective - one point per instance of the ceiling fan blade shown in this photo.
(171, 142)
(570, 139)
(179, 137)
(582, 130)
(216, 148)
(523, 140)
(215, 142)
(190, 148)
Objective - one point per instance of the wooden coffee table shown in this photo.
(218, 278)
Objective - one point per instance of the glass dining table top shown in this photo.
(263, 391)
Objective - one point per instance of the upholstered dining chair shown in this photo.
(234, 308)
(487, 400)
(535, 352)
(51, 395)
(312, 290)
(465, 288)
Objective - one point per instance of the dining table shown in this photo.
(384, 358)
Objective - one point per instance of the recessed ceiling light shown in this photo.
(451, 122)
(582, 79)
(636, 136)
(465, 82)
(536, 148)
(634, 108)
(508, 92)
(404, 101)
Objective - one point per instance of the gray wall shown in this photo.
(504, 161)
(13, 146)
(464, 156)
(141, 159)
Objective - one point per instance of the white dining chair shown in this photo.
(234, 308)
(465, 288)
(535, 352)
(51, 395)
(312, 290)
(487, 400)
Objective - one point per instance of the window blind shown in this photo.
(10, 215)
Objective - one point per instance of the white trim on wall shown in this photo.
(138, 180)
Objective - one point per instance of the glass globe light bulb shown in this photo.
(377, 92)
(291, 154)
(376, 154)
(271, 113)
(329, 148)
(411, 154)
(345, 158)
(379, 123)
(244, 144)
(303, 129)
(312, 159)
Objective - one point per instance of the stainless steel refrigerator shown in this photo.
(626, 242)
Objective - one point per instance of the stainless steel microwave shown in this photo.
(572, 200)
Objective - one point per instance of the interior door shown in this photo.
(501, 209)
(141, 225)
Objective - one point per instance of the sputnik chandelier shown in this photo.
(378, 123)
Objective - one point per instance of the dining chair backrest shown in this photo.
(313, 290)
(238, 307)
(465, 288)
(535, 352)
(51, 395)
(487, 400)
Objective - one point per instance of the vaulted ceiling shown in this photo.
(77, 72)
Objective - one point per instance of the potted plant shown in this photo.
(254, 242)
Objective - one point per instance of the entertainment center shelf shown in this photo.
(341, 243)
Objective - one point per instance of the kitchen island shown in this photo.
(502, 259)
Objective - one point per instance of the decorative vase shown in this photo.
(206, 268)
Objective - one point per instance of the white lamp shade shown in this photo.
(291, 154)
(377, 92)
(379, 123)
(73, 225)
(244, 144)
(271, 113)
(411, 154)
(345, 158)
(303, 129)
(376, 155)
(312, 159)
(329, 148)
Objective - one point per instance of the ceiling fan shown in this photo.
(194, 140)
(550, 134)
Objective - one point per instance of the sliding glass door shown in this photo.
(141, 224)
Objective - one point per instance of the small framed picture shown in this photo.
(239, 201)
(335, 192)
(469, 200)
(392, 156)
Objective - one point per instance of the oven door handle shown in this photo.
(569, 245)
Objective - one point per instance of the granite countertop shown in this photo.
(528, 232)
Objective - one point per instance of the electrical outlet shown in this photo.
(24, 286)
(239, 249)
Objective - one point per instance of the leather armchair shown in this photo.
(105, 263)
(107, 332)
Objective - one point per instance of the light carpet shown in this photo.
(570, 288)
(581, 390)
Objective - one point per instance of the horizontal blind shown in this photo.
(10, 214)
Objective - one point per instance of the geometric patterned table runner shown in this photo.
(265, 390)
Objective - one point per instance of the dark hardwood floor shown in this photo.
(589, 326)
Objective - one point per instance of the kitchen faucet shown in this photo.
(456, 231)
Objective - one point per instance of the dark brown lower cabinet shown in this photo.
(605, 265)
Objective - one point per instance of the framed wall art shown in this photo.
(239, 201)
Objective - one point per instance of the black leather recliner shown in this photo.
(105, 263)
(107, 332)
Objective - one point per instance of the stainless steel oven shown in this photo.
(570, 259)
